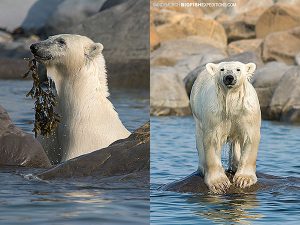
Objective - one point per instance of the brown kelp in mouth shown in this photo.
(46, 119)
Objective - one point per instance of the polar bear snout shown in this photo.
(39, 52)
(229, 80)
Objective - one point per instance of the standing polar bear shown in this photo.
(226, 109)
(89, 121)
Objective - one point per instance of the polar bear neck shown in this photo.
(233, 99)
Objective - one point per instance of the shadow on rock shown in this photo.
(126, 159)
(194, 183)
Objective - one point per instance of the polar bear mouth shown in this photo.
(43, 58)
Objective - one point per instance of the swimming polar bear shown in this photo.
(225, 107)
(89, 121)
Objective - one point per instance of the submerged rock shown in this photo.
(194, 183)
(18, 148)
(127, 158)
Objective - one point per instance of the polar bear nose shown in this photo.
(33, 48)
(228, 80)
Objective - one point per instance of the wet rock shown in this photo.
(195, 184)
(265, 80)
(12, 68)
(285, 103)
(279, 17)
(167, 93)
(18, 148)
(245, 57)
(237, 47)
(125, 158)
(125, 39)
(174, 25)
(171, 52)
(282, 46)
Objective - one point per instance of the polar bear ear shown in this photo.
(250, 68)
(211, 68)
(94, 50)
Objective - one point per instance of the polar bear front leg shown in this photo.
(245, 175)
(214, 174)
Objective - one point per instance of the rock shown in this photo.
(237, 8)
(39, 14)
(245, 57)
(282, 46)
(12, 13)
(173, 51)
(12, 68)
(253, 45)
(241, 26)
(110, 4)
(18, 148)
(154, 38)
(70, 13)
(194, 183)
(127, 157)
(279, 17)
(265, 81)
(178, 26)
(125, 39)
(5, 37)
(18, 49)
(297, 58)
(285, 103)
(167, 93)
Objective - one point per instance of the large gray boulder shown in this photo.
(245, 57)
(285, 103)
(194, 183)
(18, 148)
(265, 80)
(171, 52)
(167, 93)
(125, 158)
(124, 31)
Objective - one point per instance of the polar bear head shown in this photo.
(67, 52)
(231, 75)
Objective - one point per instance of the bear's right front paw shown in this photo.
(218, 184)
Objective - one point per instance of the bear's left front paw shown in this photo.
(244, 180)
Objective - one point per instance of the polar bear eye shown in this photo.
(222, 69)
(238, 69)
(61, 41)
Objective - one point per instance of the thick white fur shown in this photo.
(223, 115)
(89, 121)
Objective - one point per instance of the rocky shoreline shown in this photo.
(184, 40)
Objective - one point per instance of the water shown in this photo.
(174, 156)
(87, 201)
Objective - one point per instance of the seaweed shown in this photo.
(46, 119)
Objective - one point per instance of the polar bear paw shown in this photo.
(219, 184)
(244, 180)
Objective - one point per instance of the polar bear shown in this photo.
(89, 122)
(225, 107)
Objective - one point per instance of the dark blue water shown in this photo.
(30, 201)
(174, 156)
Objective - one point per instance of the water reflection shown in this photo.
(234, 208)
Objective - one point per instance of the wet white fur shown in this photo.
(89, 121)
(226, 115)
